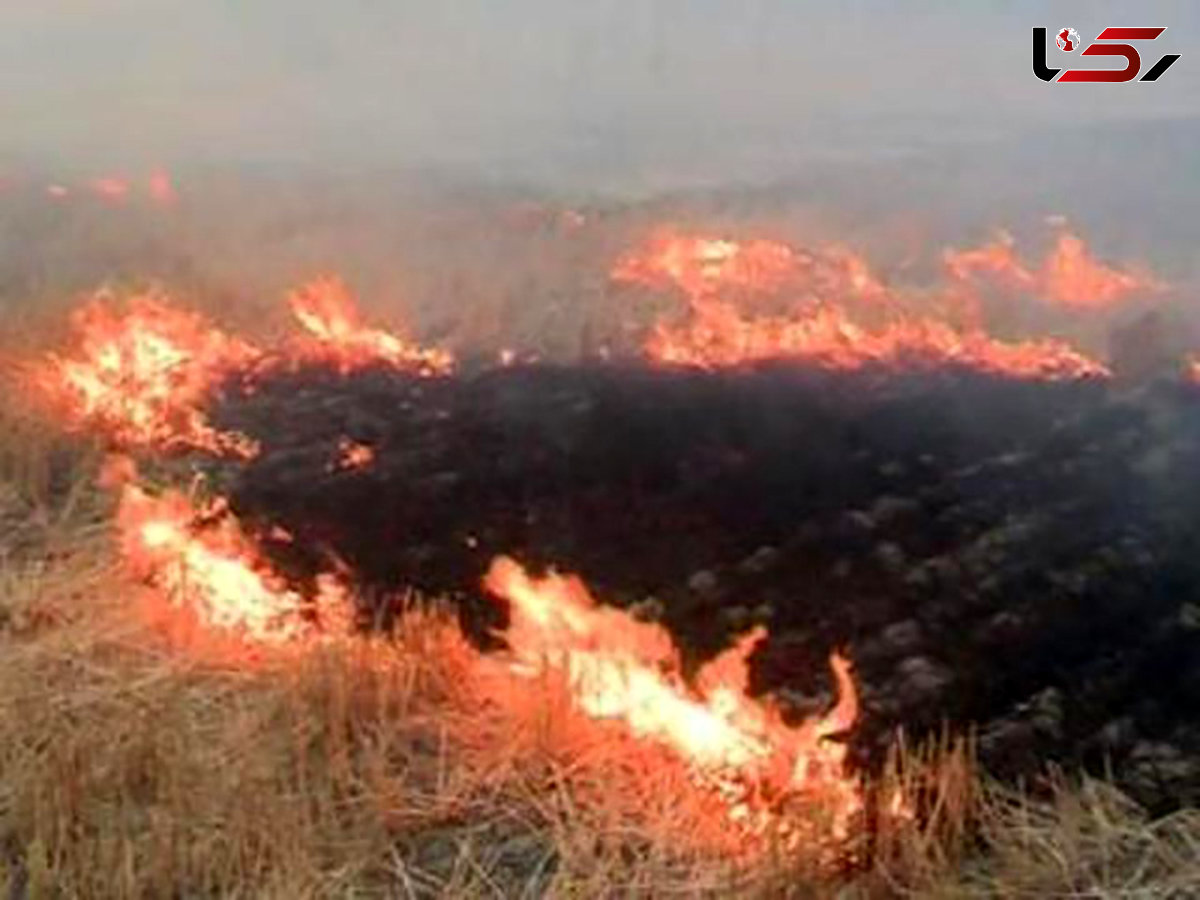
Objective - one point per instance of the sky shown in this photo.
(484, 82)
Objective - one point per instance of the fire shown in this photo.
(702, 266)
(722, 279)
(201, 562)
(721, 337)
(142, 378)
(1191, 369)
(110, 187)
(352, 455)
(142, 375)
(618, 668)
(160, 188)
(157, 187)
(329, 314)
(1069, 277)
(997, 259)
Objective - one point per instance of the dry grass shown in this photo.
(1087, 840)
(133, 766)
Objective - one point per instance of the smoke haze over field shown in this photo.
(428, 150)
(544, 87)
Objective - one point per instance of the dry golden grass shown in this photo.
(132, 766)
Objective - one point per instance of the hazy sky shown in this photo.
(136, 81)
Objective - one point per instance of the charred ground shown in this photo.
(1015, 558)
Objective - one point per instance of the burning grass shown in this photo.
(838, 315)
(138, 763)
(137, 759)
(757, 781)
(206, 728)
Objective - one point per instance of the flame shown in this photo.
(110, 187)
(702, 266)
(201, 562)
(721, 336)
(328, 312)
(1069, 277)
(160, 188)
(723, 279)
(621, 669)
(1191, 369)
(352, 455)
(997, 259)
(116, 188)
(142, 377)
(1072, 277)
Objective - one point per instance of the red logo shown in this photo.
(1105, 45)
(1067, 39)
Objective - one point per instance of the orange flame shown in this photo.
(1069, 277)
(720, 277)
(352, 455)
(110, 187)
(142, 378)
(1073, 278)
(702, 266)
(160, 188)
(621, 669)
(202, 563)
(997, 259)
(328, 312)
(1191, 369)
(721, 336)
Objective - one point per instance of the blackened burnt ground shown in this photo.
(1022, 559)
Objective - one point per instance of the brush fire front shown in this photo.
(614, 668)
(808, 468)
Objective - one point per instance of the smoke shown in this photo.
(601, 89)
(306, 137)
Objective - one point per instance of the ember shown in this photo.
(352, 455)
